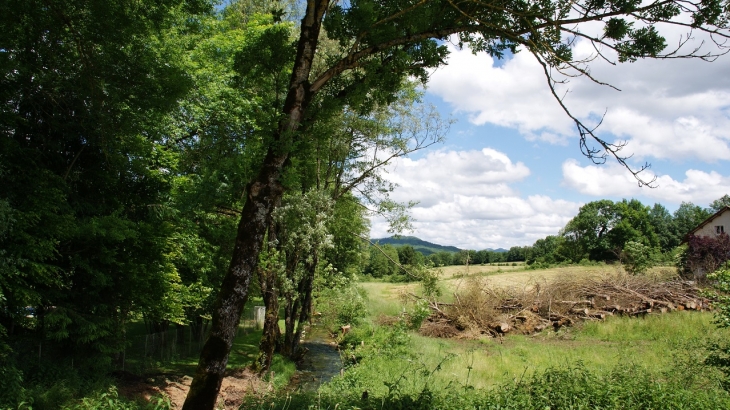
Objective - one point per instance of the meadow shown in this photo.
(655, 342)
(653, 357)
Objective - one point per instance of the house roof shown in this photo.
(707, 221)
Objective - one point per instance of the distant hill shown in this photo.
(425, 247)
(420, 245)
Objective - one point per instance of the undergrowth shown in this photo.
(574, 387)
(388, 367)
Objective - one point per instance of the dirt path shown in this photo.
(236, 385)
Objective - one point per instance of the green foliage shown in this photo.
(719, 357)
(638, 257)
(282, 370)
(11, 383)
(383, 261)
(721, 295)
(625, 387)
(720, 203)
(342, 305)
(110, 400)
(687, 217)
(85, 208)
(429, 278)
(348, 226)
(420, 311)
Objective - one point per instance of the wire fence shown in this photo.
(176, 344)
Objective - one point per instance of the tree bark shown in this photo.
(263, 194)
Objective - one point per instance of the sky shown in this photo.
(510, 170)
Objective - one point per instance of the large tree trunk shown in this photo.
(263, 194)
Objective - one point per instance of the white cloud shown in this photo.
(465, 200)
(603, 181)
(677, 109)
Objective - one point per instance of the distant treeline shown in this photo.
(600, 232)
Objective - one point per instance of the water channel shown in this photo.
(322, 361)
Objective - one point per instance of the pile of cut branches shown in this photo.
(486, 309)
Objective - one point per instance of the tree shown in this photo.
(587, 233)
(382, 43)
(463, 257)
(720, 203)
(382, 260)
(632, 224)
(662, 222)
(637, 257)
(409, 256)
(686, 218)
(85, 175)
(546, 250)
(516, 253)
(441, 258)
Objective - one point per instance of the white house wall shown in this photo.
(710, 229)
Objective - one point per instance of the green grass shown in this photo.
(629, 363)
(656, 343)
(384, 298)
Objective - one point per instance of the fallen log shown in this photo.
(577, 302)
(641, 312)
(598, 315)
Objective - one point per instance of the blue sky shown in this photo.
(510, 170)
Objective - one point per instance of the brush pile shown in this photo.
(485, 309)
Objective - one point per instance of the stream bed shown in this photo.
(322, 361)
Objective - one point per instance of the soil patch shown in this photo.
(236, 385)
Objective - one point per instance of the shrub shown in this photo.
(638, 257)
(704, 255)
(110, 400)
(342, 306)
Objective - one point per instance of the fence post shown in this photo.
(259, 314)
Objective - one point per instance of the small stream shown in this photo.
(322, 361)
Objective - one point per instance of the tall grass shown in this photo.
(568, 387)
(622, 363)
(654, 344)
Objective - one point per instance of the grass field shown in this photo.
(660, 344)
(387, 298)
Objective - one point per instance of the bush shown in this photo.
(719, 356)
(11, 386)
(704, 255)
(637, 257)
(342, 306)
(110, 400)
